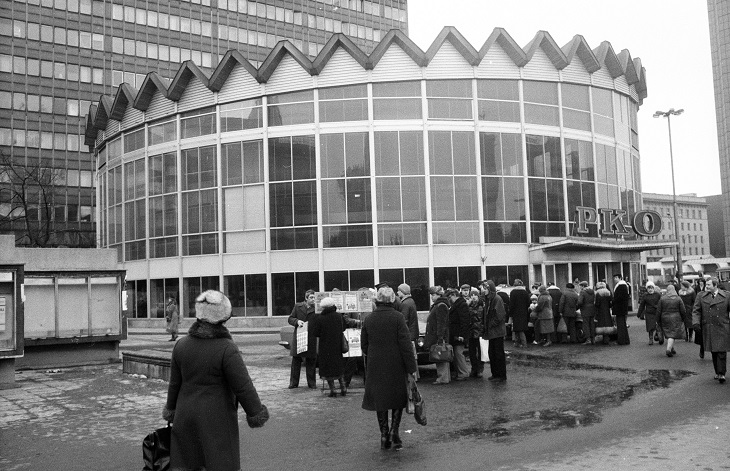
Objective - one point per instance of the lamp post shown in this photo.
(668, 114)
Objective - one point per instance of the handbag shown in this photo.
(416, 405)
(562, 326)
(441, 352)
(345, 344)
(156, 449)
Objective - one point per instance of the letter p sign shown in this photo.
(585, 216)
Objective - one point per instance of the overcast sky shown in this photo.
(671, 37)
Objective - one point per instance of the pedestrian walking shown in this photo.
(386, 342)
(208, 379)
(519, 300)
(410, 314)
(172, 318)
(437, 330)
(603, 309)
(495, 331)
(328, 328)
(303, 312)
(621, 305)
(671, 316)
(711, 314)
(648, 311)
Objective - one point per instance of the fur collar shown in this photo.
(206, 330)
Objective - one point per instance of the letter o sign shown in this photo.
(647, 223)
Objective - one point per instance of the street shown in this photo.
(563, 407)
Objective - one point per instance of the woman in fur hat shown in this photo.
(328, 326)
(208, 380)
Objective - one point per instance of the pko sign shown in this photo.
(645, 223)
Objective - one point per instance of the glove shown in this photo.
(696, 327)
(168, 415)
(258, 420)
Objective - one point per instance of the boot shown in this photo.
(384, 435)
(343, 388)
(394, 425)
(296, 368)
(651, 339)
(331, 384)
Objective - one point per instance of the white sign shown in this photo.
(2, 313)
(353, 338)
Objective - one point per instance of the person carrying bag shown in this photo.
(437, 331)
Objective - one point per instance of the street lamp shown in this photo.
(668, 114)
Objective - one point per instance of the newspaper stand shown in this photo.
(353, 305)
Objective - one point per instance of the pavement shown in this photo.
(73, 418)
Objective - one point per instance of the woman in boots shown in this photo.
(329, 327)
(387, 345)
(648, 310)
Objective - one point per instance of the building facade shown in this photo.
(61, 55)
(719, 17)
(694, 228)
(716, 225)
(438, 167)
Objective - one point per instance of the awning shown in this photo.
(583, 244)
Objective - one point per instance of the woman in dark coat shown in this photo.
(208, 380)
(603, 308)
(328, 326)
(543, 316)
(648, 309)
(688, 296)
(172, 316)
(587, 306)
(386, 342)
(437, 330)
(671, 317)
(519, 301)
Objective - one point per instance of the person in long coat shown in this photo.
(711, 315)
(459, 328)
(386, 342)
(476, 329)
(555, 295)
(172, 316)
(543, 316)
(621, 303)
(303, 312)
(519, 300)
(648, 311)
(437, 330)
(328, 327)
(208, 380)
(587, 306)
(603, 308)
(495, 317)
(568, 309)
(670, 318)
(688, 296)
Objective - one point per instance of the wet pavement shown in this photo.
(563, 407)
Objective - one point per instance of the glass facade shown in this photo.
(339, 187)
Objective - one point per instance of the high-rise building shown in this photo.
(716, 225)
(58, 56)
(719, 15)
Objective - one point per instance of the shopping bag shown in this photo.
(416, 404)
(441, 353)
(302, 338)
(156, 450)
(484, 346)
(562, 326)
(345, 344)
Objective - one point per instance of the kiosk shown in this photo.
(11, 322)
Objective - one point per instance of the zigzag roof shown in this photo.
(593, 60)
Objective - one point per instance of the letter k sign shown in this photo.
(611, 222)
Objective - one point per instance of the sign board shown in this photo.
(346, 301)
(611, 222)
(353, 338)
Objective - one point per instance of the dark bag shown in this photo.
(416, 405)
(345, 344)
(441, 352)
(156, 450)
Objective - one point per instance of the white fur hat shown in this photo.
(326, 302)
(212, 307)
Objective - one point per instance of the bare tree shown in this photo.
(27, 201)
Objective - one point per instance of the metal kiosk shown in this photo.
(11, 322)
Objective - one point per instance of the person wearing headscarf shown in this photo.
(543, 316)
(587, 306)
(437, 330)
(688, 296)
(603, 308)
(328, 327)
(621, 305)
(386, 342)
(208, 380)
(670, 318)
(648, 310)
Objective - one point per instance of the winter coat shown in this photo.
(495, 317)
(505, 302)
(555, 295)
(459, 321)
(410, 313)
(303, 312)
(437, 323)
(208, 380)
(603, 308)
(519, 301)
(648, 309)
(386, 342)
(543, 314)
(688, 297)
(328, 327)
(587, 303)
(621, 299)
(713, 317)
(670, 316)
(476, 323)
(172, 316)
(568, 303)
